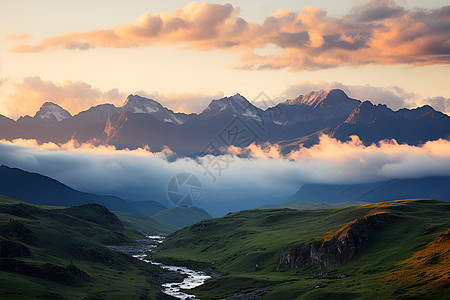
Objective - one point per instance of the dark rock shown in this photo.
(12, 249)
(78, 272)
(250, 295)
(18, 231)
(349, 241)
(18, 266)
(166, 277)
(317, 275)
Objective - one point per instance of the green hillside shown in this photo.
(60, 253)
(181, 216)
(347, 253)
(314, 205)
(166, 221)
(144, 224)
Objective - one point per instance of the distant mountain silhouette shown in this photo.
(231, 121)
(436, 187)
(38, 189)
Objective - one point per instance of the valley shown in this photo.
(238, 150)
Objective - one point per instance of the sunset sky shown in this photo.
(184, 54)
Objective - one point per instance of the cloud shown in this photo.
(182, 102)
(264, 177)
(439, 103)
(18, 37)
(27, 96)
(376, 32)
(394, 97)
(375, 10)
(79, 95)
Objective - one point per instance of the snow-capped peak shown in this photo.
(236, 104)
(311, 99)
(137, 104)
(49, 109)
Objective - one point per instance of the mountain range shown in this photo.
(230, 121)
(39, 189)
(435, 187)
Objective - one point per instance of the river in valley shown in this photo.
(191, 279)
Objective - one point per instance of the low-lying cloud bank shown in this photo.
(230, 182)
(374, 32)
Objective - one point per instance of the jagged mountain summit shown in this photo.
(231, 121)
(318, 105)
(234, 106)
(50, 110)
(138, 104)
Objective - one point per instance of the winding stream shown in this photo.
(191, 280)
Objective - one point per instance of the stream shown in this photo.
(191, 280)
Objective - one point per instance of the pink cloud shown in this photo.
(18, 37)
(32, 92)
(376, 32)
(27, 96)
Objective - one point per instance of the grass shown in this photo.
(234, 244)
(314, 205)
(61, 240)
(144, 224)
(165, 221)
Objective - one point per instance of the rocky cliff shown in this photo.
(339, 246)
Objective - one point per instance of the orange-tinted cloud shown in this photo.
(32, 92)
(26, 97)
(182, 102)
(18, 37)
(377, 32)
(264, 177)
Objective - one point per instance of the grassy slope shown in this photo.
(314, 205)
(239, 241)
(59, 237)
(180, 216)
(144, 224)
(165, 221)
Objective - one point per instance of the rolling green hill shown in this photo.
(59, 253)
(166, 221)
(181, 216)
(144, 224)
(313, 205)
(396, 249)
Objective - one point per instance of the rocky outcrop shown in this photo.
(17, 230)
(12, 249)
(64, 275)
(338, 247)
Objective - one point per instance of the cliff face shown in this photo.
(337, 247)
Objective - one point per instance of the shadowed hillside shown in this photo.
(60, 253)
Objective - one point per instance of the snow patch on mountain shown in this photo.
(137, 104)
(312, 99)
(49, 109)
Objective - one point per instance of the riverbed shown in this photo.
(191, 279)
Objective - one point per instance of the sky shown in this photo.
(184, 54)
